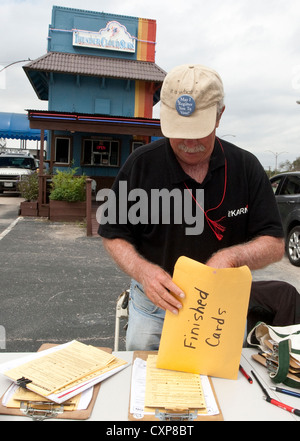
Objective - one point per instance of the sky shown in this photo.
(253, 44)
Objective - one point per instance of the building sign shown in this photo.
(113, 37)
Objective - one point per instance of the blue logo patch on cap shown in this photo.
(185, 105)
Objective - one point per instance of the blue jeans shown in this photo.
(145, 321)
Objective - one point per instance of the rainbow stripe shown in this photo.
(146, 40)
(145, 52)
(143, 99)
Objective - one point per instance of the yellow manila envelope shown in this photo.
(207, 335)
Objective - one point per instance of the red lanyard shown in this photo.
(216, 226)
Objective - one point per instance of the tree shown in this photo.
(290, 166)
(296, 164)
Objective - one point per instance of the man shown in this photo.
(241, 224)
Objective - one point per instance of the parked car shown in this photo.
(12, 167)
(286, 188)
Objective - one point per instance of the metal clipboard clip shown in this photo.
(272, 367)
(40, 410)
(22, 382)
(169, 415)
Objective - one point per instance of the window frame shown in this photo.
(290, 179)
(70, 150)
(102, 156)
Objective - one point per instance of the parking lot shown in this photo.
(9, 207)
(57, 284)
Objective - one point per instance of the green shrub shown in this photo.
(68, 187)
(29, 187)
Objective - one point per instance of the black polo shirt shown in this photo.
(237, 195)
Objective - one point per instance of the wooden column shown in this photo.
(89, 207)
(41, 169)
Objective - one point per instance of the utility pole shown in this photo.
(276, 154)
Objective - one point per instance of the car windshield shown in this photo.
(14, 161)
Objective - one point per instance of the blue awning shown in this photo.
(16, 126)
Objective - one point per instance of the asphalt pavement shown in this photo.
(57, 284)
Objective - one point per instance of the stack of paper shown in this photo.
(172, 390)
(15, 396)
(158, 389)
(63, 371)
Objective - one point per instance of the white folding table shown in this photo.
(238, 399)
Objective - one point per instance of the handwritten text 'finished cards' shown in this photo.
(206, 337)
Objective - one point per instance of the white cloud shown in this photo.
(253, 44)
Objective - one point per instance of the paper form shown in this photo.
(138, 387)
(26, 395)
(14, 395)
(172, 390)
(55, 371)
(70, 367)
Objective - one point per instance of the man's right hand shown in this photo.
(157, 283)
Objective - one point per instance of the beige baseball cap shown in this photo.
(189, 98)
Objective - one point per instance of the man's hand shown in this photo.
(256, 254)
(157, 284)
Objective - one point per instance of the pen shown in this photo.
(286, 391)
(246, 375)
(261, 386)
(282, 406)
(274, 402)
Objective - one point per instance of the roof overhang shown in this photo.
(74, 122)
(39, 71)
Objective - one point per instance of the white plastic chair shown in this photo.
(94, 187)
(121, 311)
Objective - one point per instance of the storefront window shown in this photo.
(62, 150)
(101, 152)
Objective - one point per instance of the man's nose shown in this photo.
(190, 143)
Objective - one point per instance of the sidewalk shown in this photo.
(57, 285)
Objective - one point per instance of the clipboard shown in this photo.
(169, 415)
(272, 366)
(52, 412)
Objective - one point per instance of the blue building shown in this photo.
(100, 80)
